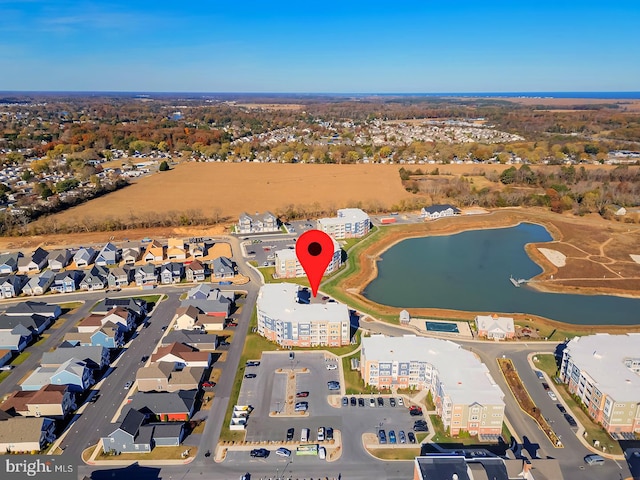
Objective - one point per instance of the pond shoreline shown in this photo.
(354, 284)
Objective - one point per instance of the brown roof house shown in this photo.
(26, 434)
(182, 356)
(53, 401)
(162, 377)
(190, 317)
(175, 249)
(154, 252)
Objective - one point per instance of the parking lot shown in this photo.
(263, 252)
(266, 393)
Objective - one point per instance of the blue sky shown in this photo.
(320, 46)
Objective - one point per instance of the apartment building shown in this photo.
(350, 223)
(604, 371)
(286, 317)
(466, 396)
(258, 223)
(288, 266)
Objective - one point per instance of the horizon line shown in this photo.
(443, 93)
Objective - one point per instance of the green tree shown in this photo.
(508, 176)
(164, 166)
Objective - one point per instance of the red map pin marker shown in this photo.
(314, 250)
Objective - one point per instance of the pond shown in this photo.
(470, 271)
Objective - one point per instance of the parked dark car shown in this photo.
(302, 394)
(250, 375)
(411, 437)
(392, 402)
(329, 433)
(259, 453)
(415, 411)
(382, 436)
(345, 401)
(353, 401)
(361, 402)
(545, 385)
(420, 426)
(252, 364)
(561, 408)
(290, 433)
(570, 420)
(380, 402)
(392, 436)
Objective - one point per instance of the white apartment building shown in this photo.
(604, 371)
(466, 396)
(350, 223)
(285, 317)
(288, 266)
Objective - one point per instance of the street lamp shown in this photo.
(284, 469)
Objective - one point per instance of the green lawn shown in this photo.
(42, 340)
(353, 383)
(406, 453)
(4, 374)
(594, 431)
(21, 358)
(441, 436)
(68, 306)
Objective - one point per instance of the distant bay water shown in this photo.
(470, 271)
(593, 95)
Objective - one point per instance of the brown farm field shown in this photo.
(234, 188)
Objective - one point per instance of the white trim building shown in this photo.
(288, 266)
(286, 321)
(604, 372)
(350, 223)
(464, 393)
(495, 327)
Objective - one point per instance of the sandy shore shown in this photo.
(554, 256)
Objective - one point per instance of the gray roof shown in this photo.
(132, 421)
(41, 279)
(222, 265)
(208, 306)
(10, 259)
(164, 402)
(166, 429)
(189, 337)
(443, 467)
(440, 208)
(90, 354)
(86, 254)
(29, 307)
(137, 306)
(39, 255)
(32, 322)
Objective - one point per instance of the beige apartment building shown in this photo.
(350, 223)
(466, 396)
(604, 372)
(283, 319)
(288, 266)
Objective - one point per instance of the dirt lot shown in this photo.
(233, 188)
(586, 241)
